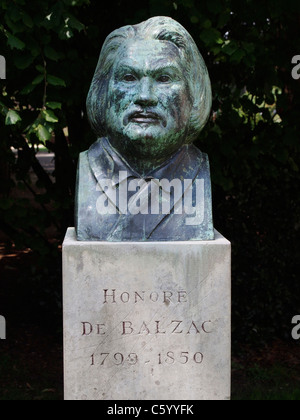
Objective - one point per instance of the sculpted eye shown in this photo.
(164, 79)
(129, 78)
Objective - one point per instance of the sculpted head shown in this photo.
(151, 92)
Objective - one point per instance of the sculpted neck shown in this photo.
(143, 165)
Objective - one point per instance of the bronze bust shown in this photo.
(143, 179)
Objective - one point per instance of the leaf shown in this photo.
(12, 118)
(43, 134)
(211, 36)
(55, 81)
(38, 79)
(74, 23)
(230, 47)
(33, 46)
(53, 20)
(238, 56)
(15, 42)
(27, 89)
(3, 109)
(40, 68)
(22, 62)
(54, 105)
(50, 116)
(14, 26)
(249, 47)
(51, 53)
(14, 13)
(65, 33)
(27, 20)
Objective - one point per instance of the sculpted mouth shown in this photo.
(144, 118)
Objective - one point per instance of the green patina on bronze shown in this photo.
(150, 75)
(149, 100)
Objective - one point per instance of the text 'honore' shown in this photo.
(167, 297)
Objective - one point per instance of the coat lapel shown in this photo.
(106, 164)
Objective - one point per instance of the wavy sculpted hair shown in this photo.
(162, 29)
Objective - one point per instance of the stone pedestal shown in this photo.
(147, 321)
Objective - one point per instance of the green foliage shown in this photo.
(51, 49)
(272, 383)
(38, 41)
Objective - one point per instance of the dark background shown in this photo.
(51, 49)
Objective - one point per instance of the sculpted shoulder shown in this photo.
(149, 99)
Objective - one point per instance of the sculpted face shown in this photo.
(149, 103)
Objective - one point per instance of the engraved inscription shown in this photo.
(114, 296)
(150, 328)
(107, 354)
(116, 359)
(167, 358)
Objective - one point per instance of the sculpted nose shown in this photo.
(146, 95)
